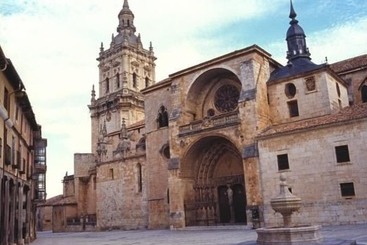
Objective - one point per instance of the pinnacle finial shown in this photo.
(93, 94)
(293, 15)
(126, 4)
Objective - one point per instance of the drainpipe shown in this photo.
(4, 115)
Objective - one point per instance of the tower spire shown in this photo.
(126, 4)
(296, 38)
(293, 15)
(126, 19)
(299, 58)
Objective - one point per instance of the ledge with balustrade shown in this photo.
(210, 123)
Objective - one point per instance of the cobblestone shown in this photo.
(333, 235)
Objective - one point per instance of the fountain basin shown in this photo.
(303, 235)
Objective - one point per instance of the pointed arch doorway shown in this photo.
(215, 190)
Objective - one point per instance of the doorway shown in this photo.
(234, 212)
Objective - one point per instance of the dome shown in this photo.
(295, 30)
(131, 39)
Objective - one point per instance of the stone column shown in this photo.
(27, 215)
(176, 205)
(6, 213)
(252, 182)
(12, 214)
(20, 215)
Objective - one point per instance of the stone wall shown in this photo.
(312, 101)
(315, 176)
(85, 183)
(120, 204)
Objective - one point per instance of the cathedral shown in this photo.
(206, 145)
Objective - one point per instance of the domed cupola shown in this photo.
(296, 39)
(126, 29)
(299, 58)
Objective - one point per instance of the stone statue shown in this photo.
(230, 195)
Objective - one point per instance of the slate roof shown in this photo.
(343, 116)
(350, 64)
(65, 201)
(59, 200)
(295, 67)
(52, 200)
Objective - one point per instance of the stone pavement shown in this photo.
(333, 235)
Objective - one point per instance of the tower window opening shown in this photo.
(118, 80)
(146, 82)
(107, 85)
(135, 83)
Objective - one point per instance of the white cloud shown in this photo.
(340, 42)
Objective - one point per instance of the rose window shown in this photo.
(226, 98)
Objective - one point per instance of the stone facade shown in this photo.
(206, 145)
(314, 172)
(22, 159)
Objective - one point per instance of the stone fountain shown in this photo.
(286, 204)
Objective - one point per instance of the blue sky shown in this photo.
(54, 45)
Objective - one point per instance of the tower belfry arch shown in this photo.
(215, 194)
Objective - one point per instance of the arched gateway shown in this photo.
(215, 193)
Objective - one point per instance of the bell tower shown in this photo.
(125, 68)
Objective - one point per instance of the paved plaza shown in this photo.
(333, 235)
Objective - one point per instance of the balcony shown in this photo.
(210, 123)
(40, 167)
(8, 158)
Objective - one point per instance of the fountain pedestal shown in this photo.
(286, 203)
(303, 235)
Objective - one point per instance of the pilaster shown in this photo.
(20, 215)
(6, 214)
(176, 204)
(13, 193)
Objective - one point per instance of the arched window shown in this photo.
(117, 80)
(135, 83)
(364, 93)
(146, 82)
(107, 85)
(162, 118)
(141, 144)
(139, 177)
